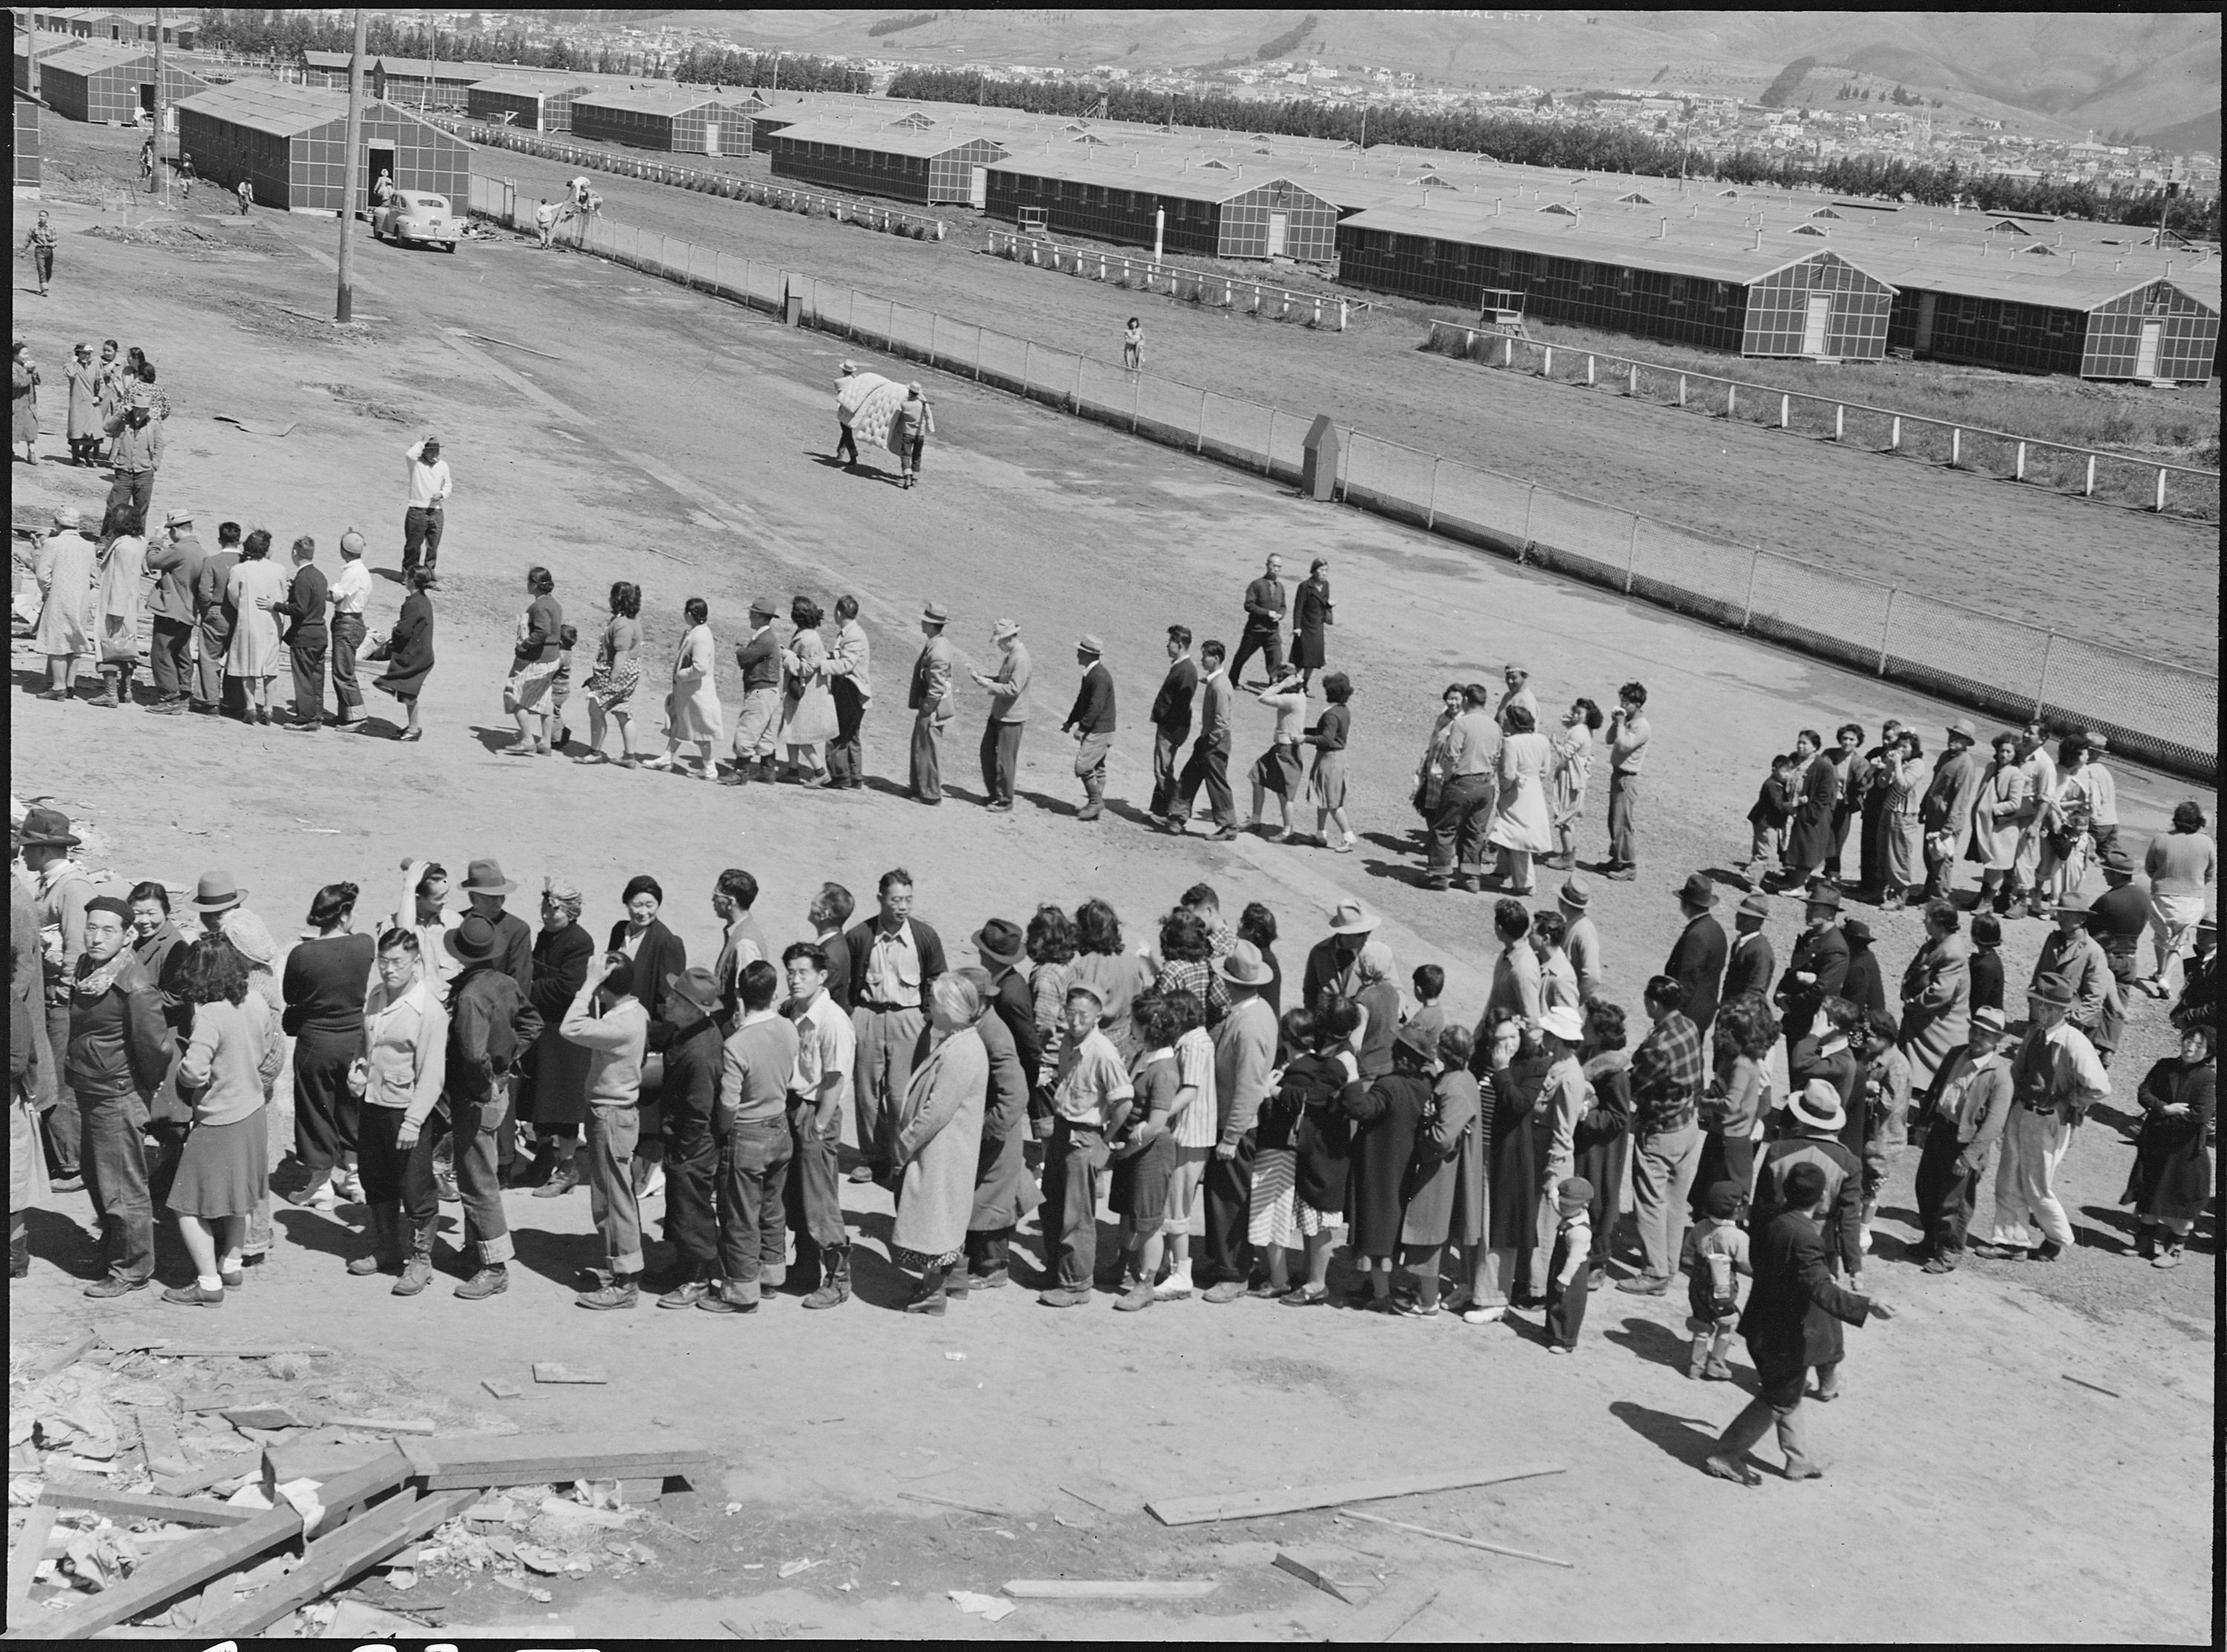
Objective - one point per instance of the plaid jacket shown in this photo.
(1668, 1075)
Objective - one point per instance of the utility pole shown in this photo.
(344, 301)
(158, 179)
(432, 55)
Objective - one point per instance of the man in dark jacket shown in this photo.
(1751, 964)
(1172, 721)
(689, 1039)
(1819, 967)
(1264, 619)
(1809, 840)
(1004, 1192)
(1698, 957)
(213, 691)
(1091, 722)
(1964, 1114)
(177, 559)
(120, 1050)
(307, 638)
(1815, 1119)
(758, 657)
(895, 959)
(490, 1023)
(1792, 1323)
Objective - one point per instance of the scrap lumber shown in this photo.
(23, 1559)
(448, 1462)
(183, 1566)
(2097, 1387)
(248, 1351)
(1109, 1588)
(1246, 1505)
(269, 1418)
(63, 1357)
(501, 1387)
(158, 1442)
(334, 1561)
(225, 1396)
(382, 1424)
(1399, 1605)
(209, 1474)
(315, 1459)
(1453, 1537)
(1306, 1574)
(953, 1502)
(118, 1505)
(551, 1371)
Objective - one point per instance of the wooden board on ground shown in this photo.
(158, 1440)
(1246, 1505)
(118, 1505)
(1287, 1561)
(1455, 1537)
(953, 1502)
(382, 1424)
(245, 1351)
(501, 1387)
(333, 1562)
(551, 1371)
(62, 1358)
(267, 1417)
(1399, 1605)
(449, 1461)
(225, 1396)
(225, 1468)
(1109, 1588)
(23, 1559)
(316, 1459)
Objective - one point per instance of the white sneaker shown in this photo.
(348, 1185)
(1867, 1239)
(1483, 1316)
(655, 1185)
(325, 1198)
(1175, 1287)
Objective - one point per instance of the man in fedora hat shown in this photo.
(1697, 958)
(61, 891)
(1581, 942)
(820, 1094)
(1244, 1057)
(1817, 1119)
(846, 403)
(2120, 917)
(1791, 1323)
(1963, 1112)
(1819, 967)
(486, 886)
(1751, 964)
(930, 700)
(490, 1022)
(689, 1037)
(1332, 961)
(608, 1018)
(1171, 719)
(1944, 813)
(2055, 1079)
(2072, 956)
(120, 1050)
(1009, 715)
(1004, 1192)
(1090, 720)
(758, 658)
(176, 560)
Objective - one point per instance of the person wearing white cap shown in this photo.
(846, 445)
(1562, 1103)
(2055, 1079)
(1009, 715)
(1091, 722)
(68, 567)
(1817, 1116)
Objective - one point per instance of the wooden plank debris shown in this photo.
(23, 1559)
(267, 1417)
(209, 1474)
(247, 1351)
(118, 1505)
(1109, 1588)
(1399, 1605)
(953, 1502)
(1307, 1574)
(1246, 1505)
(158, 1442)
(551, 1371)
(382, 1424)
(2097, 1387)
(62, 1358)
(332, 1562)
(501, 1388)
(491, 1460)
(1454, 1537)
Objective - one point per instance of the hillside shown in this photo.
(2053, 73)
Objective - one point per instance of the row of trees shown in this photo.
(1522, 140)
(284, 35)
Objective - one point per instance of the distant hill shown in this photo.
(2057, 73)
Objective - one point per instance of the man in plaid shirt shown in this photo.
(1668, 1072)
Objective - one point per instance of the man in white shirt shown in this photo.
(2055, 1077)
(612, 1024)
(850, 680)
(429, 493)
(2102, 793)
(351, 592)
(826, 1055)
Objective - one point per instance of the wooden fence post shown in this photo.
(2087, 490)
(1588, 372)
(1956, 446)
(2017, 471)
(1028, 351)
(1681, 389)
(1732, 398)
(1747, 601)
(1632, 554)
(1840, 420)
(1547, 362)
(1431, 512)
(1887, 625)
(1136, 399)
(2041, 688)
(1076, 398)
(1785, 410)
(1199, 445)
(1894, 435)
(1631, 384)
(2161, 489)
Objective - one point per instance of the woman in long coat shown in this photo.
(1436, 1177)
(1603, 1139)
(122, 593)
(1386, 1113)
(557, 1071)
(69, 611)
(807, 702)
(1996, 819)
(23, 405)
(938, 1132)
(692, 714)
(1516, 1167)
(256, 655)
(1522, 826)
(1311, 612)
(2172, 1178)
(1936, 996)
(86, 421)
(409, 651)
(1902, 776)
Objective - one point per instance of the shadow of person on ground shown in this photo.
(1688, 1439)
(1651, 1341)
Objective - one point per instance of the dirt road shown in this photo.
(682, 444)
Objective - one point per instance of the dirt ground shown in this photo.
(2100, 572)
(682, 444)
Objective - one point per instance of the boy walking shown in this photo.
(1716, 1255)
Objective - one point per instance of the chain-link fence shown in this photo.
(2163, 714)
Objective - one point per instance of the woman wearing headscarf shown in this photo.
(1572, 765)
(2171, 1183)
(557, 1070)
(617, 675)
(120, 592)
(223, 1173)
(691, 708)
(328, 974)
(23, 402)
(1520, 825)
(938, 1140)
(807, 702)
(69, 609)
(408, 652)
(255, 655)
(535, 654)
(657, 953)
(1310, 612)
